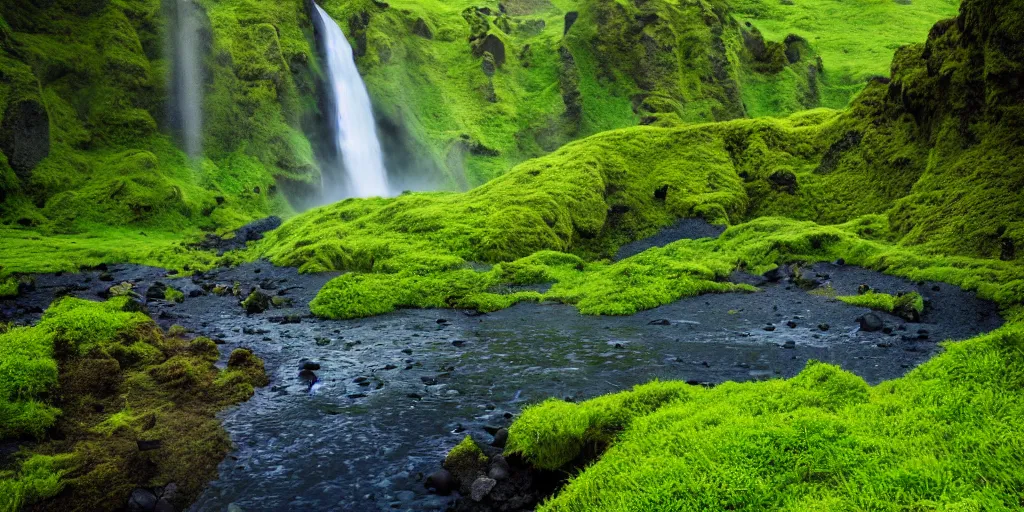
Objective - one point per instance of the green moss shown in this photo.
(173, 295)
(885, 302)
(8, 287)
(855, 42)
(113, 162)
(821, 439)
(37, 478)
(878, 301)
(120, 380)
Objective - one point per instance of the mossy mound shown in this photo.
(823, 440)
(114, 404)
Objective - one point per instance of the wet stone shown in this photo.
(482, 487)
(870, 323)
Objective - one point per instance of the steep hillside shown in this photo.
(561, 70)
(88, 130)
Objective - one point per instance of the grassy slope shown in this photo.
(856, 40)
(103, 375)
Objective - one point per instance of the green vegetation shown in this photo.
(885, 302)
(88, 83)
(85, 127)
(105, 377)
(659, 62)
(8, 287)
(918, 176)
(941, 438)
(855, 41)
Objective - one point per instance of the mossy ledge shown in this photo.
(104, 403)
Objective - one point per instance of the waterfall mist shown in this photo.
(186, 81)
(360, 171)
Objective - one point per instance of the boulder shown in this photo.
(25, 136)
(500, 438)
(482, 487)
(441, 482)
(256, 302)
(142, 500)
(493, 45)
(870, 323)
(156, 292)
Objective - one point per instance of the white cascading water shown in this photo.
(187, 77)
(356, 131)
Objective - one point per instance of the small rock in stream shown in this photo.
(870, 323)
(441, 482)
(500, 439)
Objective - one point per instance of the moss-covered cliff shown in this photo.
(560, 70)
(87, 130)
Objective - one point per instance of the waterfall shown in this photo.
(355, 135)
(186, 76)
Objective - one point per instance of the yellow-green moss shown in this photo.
(943, 435)
(120, 381)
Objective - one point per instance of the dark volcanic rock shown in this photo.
(482, 487)
(156, 292)
(784, 180)
(142, 500)
(441, 482)
(248, 233)
(491, 44)
(25, 136)
(500, 438)
(870, 323)
(256, 302)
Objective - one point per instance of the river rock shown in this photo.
(156, 292)
(482, 487)
(142, 500)
(256, 302)
(498, 473)
(441, 482)
(500, 438)
(870, 323)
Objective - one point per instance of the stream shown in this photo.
(395, 392)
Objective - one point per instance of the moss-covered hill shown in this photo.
(91, 142)
(562, 69)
